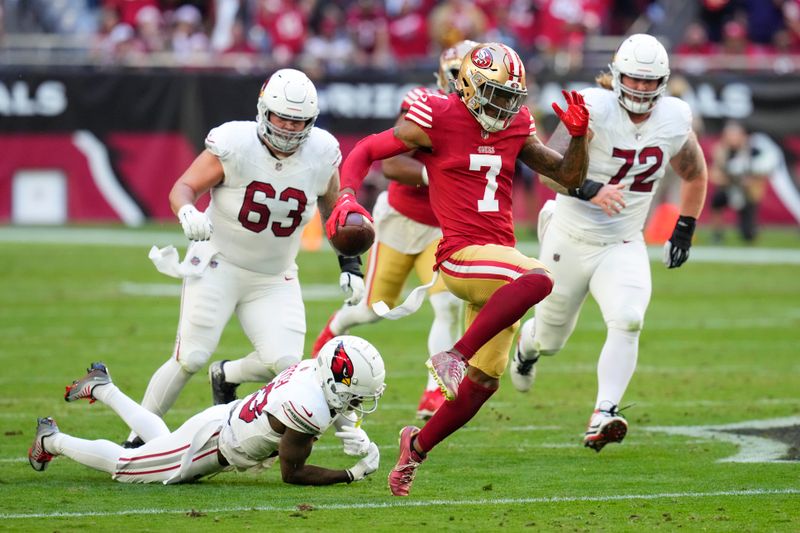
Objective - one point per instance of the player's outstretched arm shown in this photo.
(351, 278)
(295, 448)
(569, 170)
(354, 169)
(566, 172)
(403, 168)
(293, 451)
(205, 172)
(690, 165)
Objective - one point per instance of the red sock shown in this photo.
(452, 415)
(507, 305)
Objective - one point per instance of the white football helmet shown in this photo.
(491, 84)
(639, 56)
(289, 94)
(450, 63)
(351, 373)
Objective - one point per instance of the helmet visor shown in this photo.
(499, 104)
(366, 404)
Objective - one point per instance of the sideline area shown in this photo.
(146, 237)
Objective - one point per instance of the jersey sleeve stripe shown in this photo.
(300, 416)
(425, 121)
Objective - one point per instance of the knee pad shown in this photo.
(533, 345)
(553, 311)
(281, 364)
(627, 319)
(193, 360)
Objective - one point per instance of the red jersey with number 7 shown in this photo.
(470, 172)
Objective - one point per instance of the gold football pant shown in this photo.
(473, 274)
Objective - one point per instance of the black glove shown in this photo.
(587, 190)
(676, 249)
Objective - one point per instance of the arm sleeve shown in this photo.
(368, 150)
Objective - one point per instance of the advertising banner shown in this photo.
(82, 145)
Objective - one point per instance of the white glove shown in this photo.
(367, 465)
(196, 224)
(353, 288)
(354, 440)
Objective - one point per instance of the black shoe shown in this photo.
(221, 390)
(133, 443)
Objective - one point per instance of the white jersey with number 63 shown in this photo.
(260, 208)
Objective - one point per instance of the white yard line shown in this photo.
(415, 504)
(132, 237)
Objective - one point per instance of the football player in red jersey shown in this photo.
(473, 138)
(407, 236)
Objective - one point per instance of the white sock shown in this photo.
(352, 315)
(141, 421)
(98, 454)
(444, 328)
(616, 365)
(432, 385)
(164, 388)
(248, 369)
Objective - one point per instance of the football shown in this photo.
(355, 236)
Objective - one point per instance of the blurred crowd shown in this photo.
(751, 31)
(329, 36)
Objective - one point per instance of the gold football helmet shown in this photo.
(450, 63)
(491, 84)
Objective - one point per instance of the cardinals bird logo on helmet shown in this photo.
(341, 365)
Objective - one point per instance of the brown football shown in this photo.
(354, 237)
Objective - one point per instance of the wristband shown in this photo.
(350, 477)
(351, 265)
(587, 190)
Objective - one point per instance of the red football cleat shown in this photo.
(448, 369)
(324, 336)
(431, 401)
(403, 473)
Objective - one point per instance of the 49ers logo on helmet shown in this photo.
(482, 58)
(341, 366)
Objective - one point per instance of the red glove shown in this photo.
(576, 117)
(345, 204)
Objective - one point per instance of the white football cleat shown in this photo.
(523, 372)
(605, 426)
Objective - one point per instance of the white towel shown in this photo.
(410, 305)
(197, 258)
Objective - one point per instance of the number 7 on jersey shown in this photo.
(494, 163)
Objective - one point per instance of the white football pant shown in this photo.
(618, 278)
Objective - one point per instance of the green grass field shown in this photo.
(721, 346)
